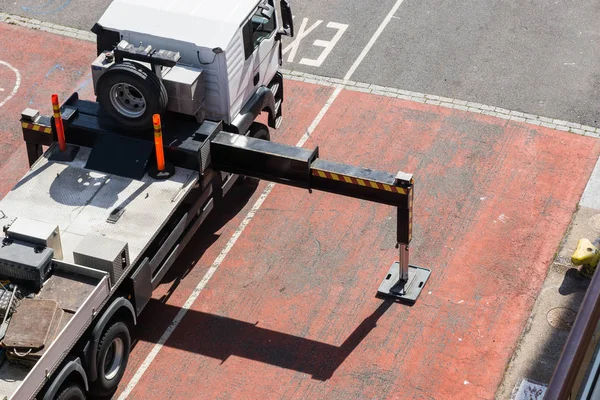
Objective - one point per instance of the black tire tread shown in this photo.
(259, 131)
(97, 387)
(70, 390)
(143, 74)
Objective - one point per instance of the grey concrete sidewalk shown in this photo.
(555, 310)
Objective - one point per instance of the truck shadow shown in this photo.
(224, 211)
(220, 337)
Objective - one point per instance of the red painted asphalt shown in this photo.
(291, 312)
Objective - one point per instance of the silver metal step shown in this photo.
(278, 121)
(277, 106)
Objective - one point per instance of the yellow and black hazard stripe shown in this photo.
(410, 214)
(36, 127)
(56, 109)
(360, 182)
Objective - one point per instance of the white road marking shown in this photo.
(301, 34)
(211, 271)
(327, 44)
(17, 82)
(374, 38)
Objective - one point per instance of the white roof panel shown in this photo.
(206, 23)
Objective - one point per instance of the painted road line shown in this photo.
(374, 38)
(16, 85)
(346, 83)
(209, 274)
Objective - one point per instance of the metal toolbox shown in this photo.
(38, 233)
(25, 262)
(104, 254)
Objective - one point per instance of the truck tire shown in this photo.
(113, 354)
(71, 391)
(257, 131)
(131, 94)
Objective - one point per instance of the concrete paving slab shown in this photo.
(547, 330)
(554, 312)
(591, 195)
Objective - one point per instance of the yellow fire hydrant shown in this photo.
(587, 255)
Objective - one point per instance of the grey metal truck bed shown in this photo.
(83, 202)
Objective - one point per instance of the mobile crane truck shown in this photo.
(103, 213)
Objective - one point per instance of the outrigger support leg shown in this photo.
(404, 281)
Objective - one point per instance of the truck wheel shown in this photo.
(71, 391)
(113, 354)
(130, 93)
(257, 131)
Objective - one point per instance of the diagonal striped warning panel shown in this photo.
(36, 127)
(359, 181)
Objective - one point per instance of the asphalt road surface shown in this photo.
(531, 56)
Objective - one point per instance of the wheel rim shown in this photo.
(127, 100)
(113, 358)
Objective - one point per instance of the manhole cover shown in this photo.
(561, 318)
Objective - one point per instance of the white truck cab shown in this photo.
(203, 58)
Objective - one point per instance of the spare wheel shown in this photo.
(131, 93)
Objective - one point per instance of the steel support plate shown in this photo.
(404, 291)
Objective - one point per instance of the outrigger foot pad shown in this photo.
(404, 291)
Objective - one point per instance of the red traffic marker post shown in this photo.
(65, 152)
(162, 169)
(158, 143)
(58, 123)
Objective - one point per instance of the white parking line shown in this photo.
(17, 82)
(209, 274)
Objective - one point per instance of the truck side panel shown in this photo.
(239, 71)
